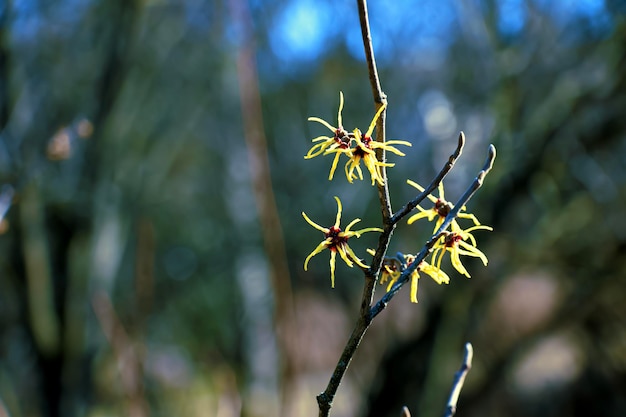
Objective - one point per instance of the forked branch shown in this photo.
(428, 247)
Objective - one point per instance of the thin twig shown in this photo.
(428, 247)
(459, 379)
(434, 184)
(405, 412)
(379, 96)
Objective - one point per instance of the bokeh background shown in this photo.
(152, 179)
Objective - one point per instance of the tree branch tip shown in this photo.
(459, 148)
(469, 354)
(461, 142)
(405, 412)
(491, 155)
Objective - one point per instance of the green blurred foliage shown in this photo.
(134, 279)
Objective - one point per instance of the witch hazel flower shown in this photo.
(336, 240)
(459, 242)
(440, 210)
(365, 150)
(394, 267)
(341, 139)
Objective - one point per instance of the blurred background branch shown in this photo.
(269, 218)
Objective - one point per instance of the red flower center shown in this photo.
(359, 151)
(452, 239)
(336, 239)
(342, 137)
(442, 207)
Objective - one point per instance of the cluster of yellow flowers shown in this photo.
(358, 147)
(455, 242)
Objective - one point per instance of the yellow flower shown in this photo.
(393, 268)
(341, 139)
(336, 240)
(365, 150)
(440, 210)
(456, 243)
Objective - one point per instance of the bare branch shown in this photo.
(459, 380)
(379, 96)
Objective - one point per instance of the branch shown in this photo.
(325, 399)
(459, 379)
(379, 96)
(428, 247)
(434, 184)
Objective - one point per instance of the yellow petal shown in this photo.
(316, 150)
(358, 233)
(398, 142)
(317, 250)
(334, 166)
(342, 252)
(394, 150)
(470, 217)
(416, 185)
(414, 281)
(352, 223)
(338, 219)
(436, 274)
(315, 225)
(456, 263)
(370, 129)
(424, 213)
(333, 255)
(324, 122)
(438, 256)
(339, 120)
(354, 257)
(469, 250)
